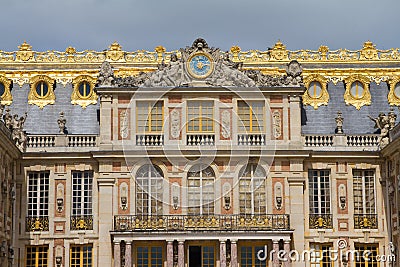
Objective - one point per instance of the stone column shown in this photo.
(275, 256)
(170, 253)
(222, 253)
(286, 247)
(105, 121)
(105, 220)
(128, 254)
(181, 253)
(117, 254)
(234, 253)
(295, 119)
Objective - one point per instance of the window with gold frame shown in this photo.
(366, 255)
(149, 116)
(149, 255)
(252, 197)
(42, 91)
(200, 114)
(320, 255)
(37, 256)
(81, 255)
(5, 91)
(248, 255)
(83, 91)
(251, 116)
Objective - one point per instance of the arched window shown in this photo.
(252, 199)
(201, 190)
(149, 190)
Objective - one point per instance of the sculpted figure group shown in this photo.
(16, 125)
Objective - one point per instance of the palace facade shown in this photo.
(200, 158)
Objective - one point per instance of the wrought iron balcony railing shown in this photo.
(137, 223)
(82, 222)
(365, 221)
(321, 221)
(37, 223)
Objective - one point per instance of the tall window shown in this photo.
(81, 256)
(38, 194)
(321, 256)
(82, 185)
(149, 256)
(150, 117)
(366, 255)
(37, 256)
(149, 190)
(200, 116)
(249, 256)
(201, 190)
(252, 199)
(364, 191)
(250, 116)
(319, 194)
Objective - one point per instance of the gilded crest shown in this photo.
(6, 97)
(317, 95)
(357, 91)
(25, 52)
(115, 52)
(83, 93)
(41, 92)
(279, 52)
(369, 52)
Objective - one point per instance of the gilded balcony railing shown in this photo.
(365, 221)
(37, 223)
(320, 221)
(137, 223)
(82, 222)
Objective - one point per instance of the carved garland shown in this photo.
(364, 99)
(394, 100)
(6, 98)
(323, 99)
(41, 101)
(77, 98)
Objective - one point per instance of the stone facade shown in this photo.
(199, 157)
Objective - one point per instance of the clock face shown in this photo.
(200, 65)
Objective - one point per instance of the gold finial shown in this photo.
(70, 50)
(160, 49)
(235, 49)
(25, 47)
(115, 46)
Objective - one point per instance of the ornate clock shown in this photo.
(200, 65)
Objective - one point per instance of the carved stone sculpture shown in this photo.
(8, 119)
(61, 123)
(106, 75)
(385, 123)
(17, 133)
(339, 123)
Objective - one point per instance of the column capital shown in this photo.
(234, 241)
(170, 241)
(181, 241)
(286, 241)
(275, 241)
(117, 242)
(128, 242)
(222, 240)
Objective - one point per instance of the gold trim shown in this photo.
(195, 75)
(392, 98)
(115, 52)
(77, 98)
(6, 98)
(34, 98)
(357, 102)
(323, 99)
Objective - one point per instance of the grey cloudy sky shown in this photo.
(251, 24)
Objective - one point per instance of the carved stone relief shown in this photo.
(226, 124)
(175, 117)
(276, 124)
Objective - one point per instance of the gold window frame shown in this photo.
(323, 99)
(261, 121)
(41, 101)
(392, 98)
(150, 106)
(77, 98)
(37, 253)
(200, 116)
(81, 263)
(6, 97)
(364, 99)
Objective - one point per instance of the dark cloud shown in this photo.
(252, 24)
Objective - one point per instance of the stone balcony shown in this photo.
(336, 142)
(178, 223)
(61, 143)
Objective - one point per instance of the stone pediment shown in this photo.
(200, 65)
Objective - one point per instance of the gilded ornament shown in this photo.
(393, 96)
(323, 50)
(357, 100)
(115, 52)
(316, 100)
(25, 52)
(235, 50)
(70, 50)
(6, 98)
(369, 52)
(41, 100)
(279, 52)
(87, 99)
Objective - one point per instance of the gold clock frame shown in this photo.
(77, 98)
(194, 75)
(34, 98)
(365, 99)
(323, 99)
(392, 98)
(6, 98)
